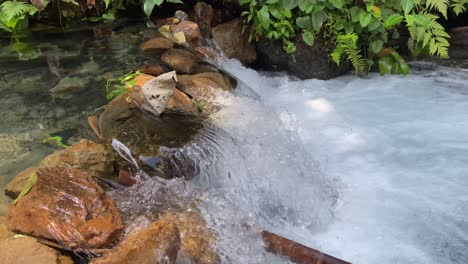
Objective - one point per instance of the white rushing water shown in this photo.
(369, 170)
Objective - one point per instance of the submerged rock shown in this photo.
(67, 205)
(26, 249)
(157, 244)
(235, 45)
(69, 85)
(95, 159)
(180, 60)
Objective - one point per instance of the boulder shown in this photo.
(204, 18)
(67, 205)
(26, 249)
(180, 60)
(197, 241)
(152, 69)
(157, 244)
(189, 28)
(15, 186)
(234, 45)
(155, 44)
(306, 63)
(95, 159)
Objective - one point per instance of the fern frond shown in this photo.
(347, 44)
(13, 9)
(438, 5)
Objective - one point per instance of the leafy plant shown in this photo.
(14, 15)
(347, 26)
(121, 85)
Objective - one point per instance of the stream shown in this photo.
(370, 170)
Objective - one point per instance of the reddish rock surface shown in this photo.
(198, 243)
(13, 188)
(157, 244)
(95, 159)
(68, 206)
(26, 249)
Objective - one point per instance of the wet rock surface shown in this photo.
(156, 44)
(235, 45)
(95, 159)
(157, 244)
(308, 62)
(22, 250)
(68, 206)
(180, 60)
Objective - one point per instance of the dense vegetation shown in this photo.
(350, 27)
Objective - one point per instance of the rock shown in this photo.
(95, 159)
(198, 243)
(26, 249)
(67, 205)
(13, 188)
(141, 79)
(152, 69)
(310, 62)
(199, 85)
(235, 45)
(157, 244)
(204, 18)
(70, 85)
(144, 133)
(189, 28)
(180, 15)
(296, 252)
(180, 60)
(157, 44)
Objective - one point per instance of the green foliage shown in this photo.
(14, 15)
(348, 26)
(121, 85)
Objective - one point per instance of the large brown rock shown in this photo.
(189, 28)
(13, 188)
(95, 159)
(67, 205)
(156, 44)
(233, 43)
(198, 243)
(26, 249)
(182, 61)
(157, 244)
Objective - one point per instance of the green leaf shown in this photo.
(336, 3)
(407, 5)
(107, 2)
(175, 1)
(290, 4)
(304, 22)
(27, 187)
(108, 17)
(392, 21)
(308, 38)
(318, 17)
(365, 19)
(264, 17)
(376, 46)
(148, 7)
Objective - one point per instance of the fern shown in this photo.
(438, 5)
(459, 6)
(347, 44)
(427, 34)
(12, 9)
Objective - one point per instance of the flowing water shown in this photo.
(369, 170)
